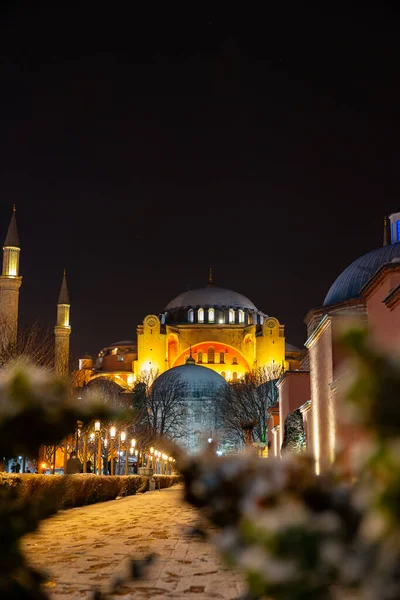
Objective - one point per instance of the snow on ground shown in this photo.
(87, 547)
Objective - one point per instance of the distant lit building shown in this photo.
(221, 329)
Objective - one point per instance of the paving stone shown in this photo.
(88, 547)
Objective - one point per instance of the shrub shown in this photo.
(72, 491)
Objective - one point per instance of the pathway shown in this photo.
(87, 547)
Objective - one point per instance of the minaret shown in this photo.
(386, 232)
(10, 282)
(62, 332)
(210, 277)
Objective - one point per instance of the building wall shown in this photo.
(294, 391)
(160, 351)
(152, 351)
(273, 432)
(384, 322)
(321, 376)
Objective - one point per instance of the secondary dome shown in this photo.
(210, 295)
(198, 382)
(349, 283)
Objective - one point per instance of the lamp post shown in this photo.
(85, 451)
(121, 442)
(156, 454)
(132, 449)
(112, 438)
(97, 430)
(152, 457)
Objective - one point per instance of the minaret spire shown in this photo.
(386, 231)
(12, 239)
(63, 297)
(210, 277)
(62, 331)
(10, 282)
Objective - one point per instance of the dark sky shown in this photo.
(141, 150)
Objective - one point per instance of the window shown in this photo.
(234, 360)
(234, 376)
(191, 315)
(211, 315)
(200, 315)
(398, 231)
(221, 357)
(231, 315)
(120, 358)
(211, 354)
(241, 316)
(223, 374)
(221, 317)
(199, 357)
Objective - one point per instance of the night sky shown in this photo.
(140, 151)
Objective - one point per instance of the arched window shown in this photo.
(211, 354)
(241, 316)
(223, 374)
(200, 315)
(234, 360)
(234, 376)
(231, 315)
(191, 315)
(200, 357)
(221, 357)
(211, 315)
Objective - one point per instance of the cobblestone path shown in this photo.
(86, 547)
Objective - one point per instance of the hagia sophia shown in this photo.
(212, 336)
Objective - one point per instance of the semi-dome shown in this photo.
(197, 381)
(210, 295)
(349, 283)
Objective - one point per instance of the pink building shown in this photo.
(368, 291)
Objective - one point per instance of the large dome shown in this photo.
(349, 283)
(210, 295)
(198, 382)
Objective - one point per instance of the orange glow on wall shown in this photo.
(227, 360)
(173, 349)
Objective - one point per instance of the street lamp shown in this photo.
(151, 457)
(97, 431)
(122, 438)
(112, 438)
(131, 450)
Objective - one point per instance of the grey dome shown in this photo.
(210, 295)
(349, 283)
(198, 382)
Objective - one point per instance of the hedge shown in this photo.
(70, 491)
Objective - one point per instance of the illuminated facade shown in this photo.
(367, 291)
(221, 329)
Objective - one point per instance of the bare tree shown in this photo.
(243, 408)
(159, 407)
(34, 343)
